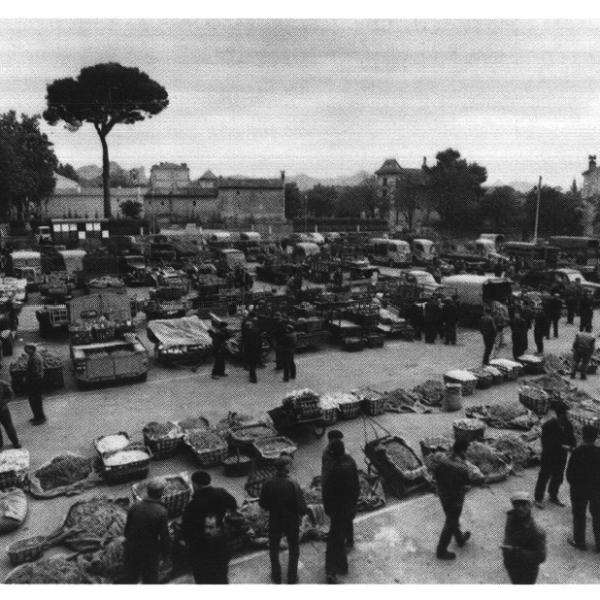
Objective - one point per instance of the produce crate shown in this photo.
(27, 550)
(258, 475)
(375, 341)
(174, 501)
(165, 446)
(132, 471)
(100, 438)
(534, 365)
(468, 386)
(535, 399)
(349, 410)
(105, 334)
(330, 416)
(475, 432)
(211, 456)
(485, 379)
(14, 477)
(585, 417)
(243, 436)
(269, 450)
(354, 344)
(510, 372)
(497, 375)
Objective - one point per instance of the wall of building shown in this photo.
(260, 203)
(88, 203)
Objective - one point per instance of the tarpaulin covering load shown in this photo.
(186, 331)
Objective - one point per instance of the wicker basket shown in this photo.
(485, 379)
(435, 444)
(132, 471)
(510, 373)
(497, 375)
(535, 399)
(349, 410)
(585, 417)
(81, 336)
(163, 447)
(237, 466)
(267, 455)
(104, 334)
(470, 435)
(209, 457)
(534, 365)
(175, 502)
(375, 341)
(373, 406)
(27, 550)
(241, 437)
(330, 416)
(468, 387)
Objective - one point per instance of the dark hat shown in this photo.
(589, 433)
(335, 434)
(283, 462)
(201, 478)
(337, 448)
(561, 408)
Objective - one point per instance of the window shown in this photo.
(194, 203)
(385, 181)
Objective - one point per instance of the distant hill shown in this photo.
(306, 182)
(520, 186)
(89, 172)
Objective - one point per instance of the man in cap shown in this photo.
(35, 382)
(207, 502)
(341, 490)
(557, 439)
(524, 546)
(284, 500)
(146, 536)
(573, 295)
(288, 353)
(583, 474)
(452, 477)
(583, 349)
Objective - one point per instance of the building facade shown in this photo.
(591, 180)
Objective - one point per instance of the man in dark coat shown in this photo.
(284, 500)
(452, 477)
(288, 353)
(6, 395)
(540, 329)
(432, 314)
(252, 348)
(524, 546)
(279, 328)
(583, 474)
(340, 499)
(586, 312)
(450, 318)
(207, 502)
(583, 349)
(557, 439)
(573, 295)
(487, 328)
(416, 318)
(519, 334)
(146, 536)
(35, 384)
(219, 337)
(554, 307)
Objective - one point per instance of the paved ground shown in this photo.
(395, 544)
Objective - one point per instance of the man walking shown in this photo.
(146, 536)
(557, 439)
(6, 395)
(35, 382)
(540, 329)
(431, 320)
(583, 474)
(450, 318)
(573, 295)
(284, 500)
(219, 337)
(279, 328)
(554, 307)
(519, 334)
(340, 499)
(586, 312)
(524, 546)
(583, 349)
(452, 477)
(487, 327)
(288, 353)
(252, 348)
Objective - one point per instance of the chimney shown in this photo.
(282, 175)
(424, 161)
(592, 161)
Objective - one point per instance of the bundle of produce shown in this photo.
(58, 569)
(160, 431)
(67, 474)
(552, 383)
(489, 461)
(208, 446)
(14, 465)
(248, 433)
(330, 401)
(400, 400)
(91, 524)
(431, 445)
(111, 443)
(469, 429)
(430, 393)
(13, 509)
(303, 403)
(50, 360)
(535, 399)
(272, 448)
(193, 424)
(515, 450)
(504, 416)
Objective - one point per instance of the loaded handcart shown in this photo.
(180, 342)
(297, 409)
(390, 456)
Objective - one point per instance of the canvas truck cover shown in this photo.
(115, 307)
(186, 331)
(477, 289)
(73, 260)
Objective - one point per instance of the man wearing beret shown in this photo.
(284, 500)
(524, 546)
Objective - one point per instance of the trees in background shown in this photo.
(104, 95)
(67, 171)
(131, 209)
(294, 202)
(500, 208)
(560, 213)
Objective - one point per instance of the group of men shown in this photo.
(284, 339)
(438, 318)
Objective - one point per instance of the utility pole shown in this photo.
(537, 211)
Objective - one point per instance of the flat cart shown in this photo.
(180, 342)
(298, 411)
(394, 460)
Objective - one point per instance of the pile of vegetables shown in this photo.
(252, 432)
(469, 424)
(486, 459)
(552, 382)
(401, 456)
(399, 400)
(430, 393)
(125, 457)
(504, 416)
(161, 431)
(63, 471)
(273, 448)
(50, 360)
(58, 569)
(14, 460)
(515, 450)
(112, 443)
(204, 440)
(193, 424)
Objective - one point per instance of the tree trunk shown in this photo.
(105, 176)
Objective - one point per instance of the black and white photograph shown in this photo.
(291, 301)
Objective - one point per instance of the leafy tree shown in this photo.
(456, 189)
(560, 214)
(409, 195)
(363, 198)
(27, 165)
(321, 200)
(104, 95)
(67, 171)
(293, 201)
(500, 208)
(131, 209)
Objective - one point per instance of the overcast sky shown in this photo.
(329, 97)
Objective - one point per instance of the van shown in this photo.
(392, 253)
(229, 259)
(305, 250)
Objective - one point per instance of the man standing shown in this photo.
(524, 546)
(583, 474)
(487, 327)
(573, 295)
(450, 318)
(219, 337)
(586, 312)
(583, 349)
(284, 500)
(554, 307)
(288, 353)
(252, 348)
(452, 477)
(540, 329)
(557, 439)
(340, 499)
(431, 320)
(206, 502)
(6, 395)
(519, 334)
(279, 328)
(146, 536)
(35, 381)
